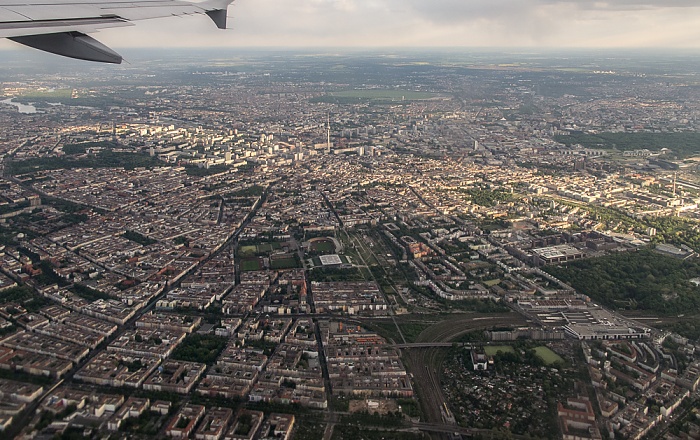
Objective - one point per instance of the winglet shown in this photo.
(71, 44)
(217, 11)
(218, 16)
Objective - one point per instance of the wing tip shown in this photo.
(218, 16)
(217, 11)
(71, 44)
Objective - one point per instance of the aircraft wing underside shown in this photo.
(60, 26)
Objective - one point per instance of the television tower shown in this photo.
(328, 135)
(674, 184)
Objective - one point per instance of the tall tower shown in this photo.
(328, 134)
(674, 184)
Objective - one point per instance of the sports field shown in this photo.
(268, 247)
(247, 250)
(283, 263)
(251, 264)
(548, 356)
(324, 246)
(264, 248)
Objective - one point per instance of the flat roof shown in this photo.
(561, 250)
(330, 260)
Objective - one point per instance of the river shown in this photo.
(22, 108)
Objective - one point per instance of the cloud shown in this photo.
(409, 23)
(449, 11)
(628, 4)
(470, 22)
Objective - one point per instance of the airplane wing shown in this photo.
(61, 26)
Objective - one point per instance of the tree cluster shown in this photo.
(642, 280)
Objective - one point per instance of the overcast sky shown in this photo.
(414, 23)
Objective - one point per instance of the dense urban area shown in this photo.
(300, 245)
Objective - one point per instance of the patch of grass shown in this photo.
(265, 248)
(246, 251)
(251, 264)
(283, 263)
(259, 249)
(386, 330)
(46, 94)
(492, 350)
(323, 246)
(491, 283)
(548, 356)
(411, 330)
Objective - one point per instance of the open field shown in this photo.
(387, 329)
(251, 264)
(323, 246)
(374, 96)
(492, 350)
(381, 94)
(411, 331)
(47, 94)
(548, 356)
(247, 250)
(283, 263)
(268, 247)
(260, 249)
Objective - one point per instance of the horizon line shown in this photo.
(526, 49)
